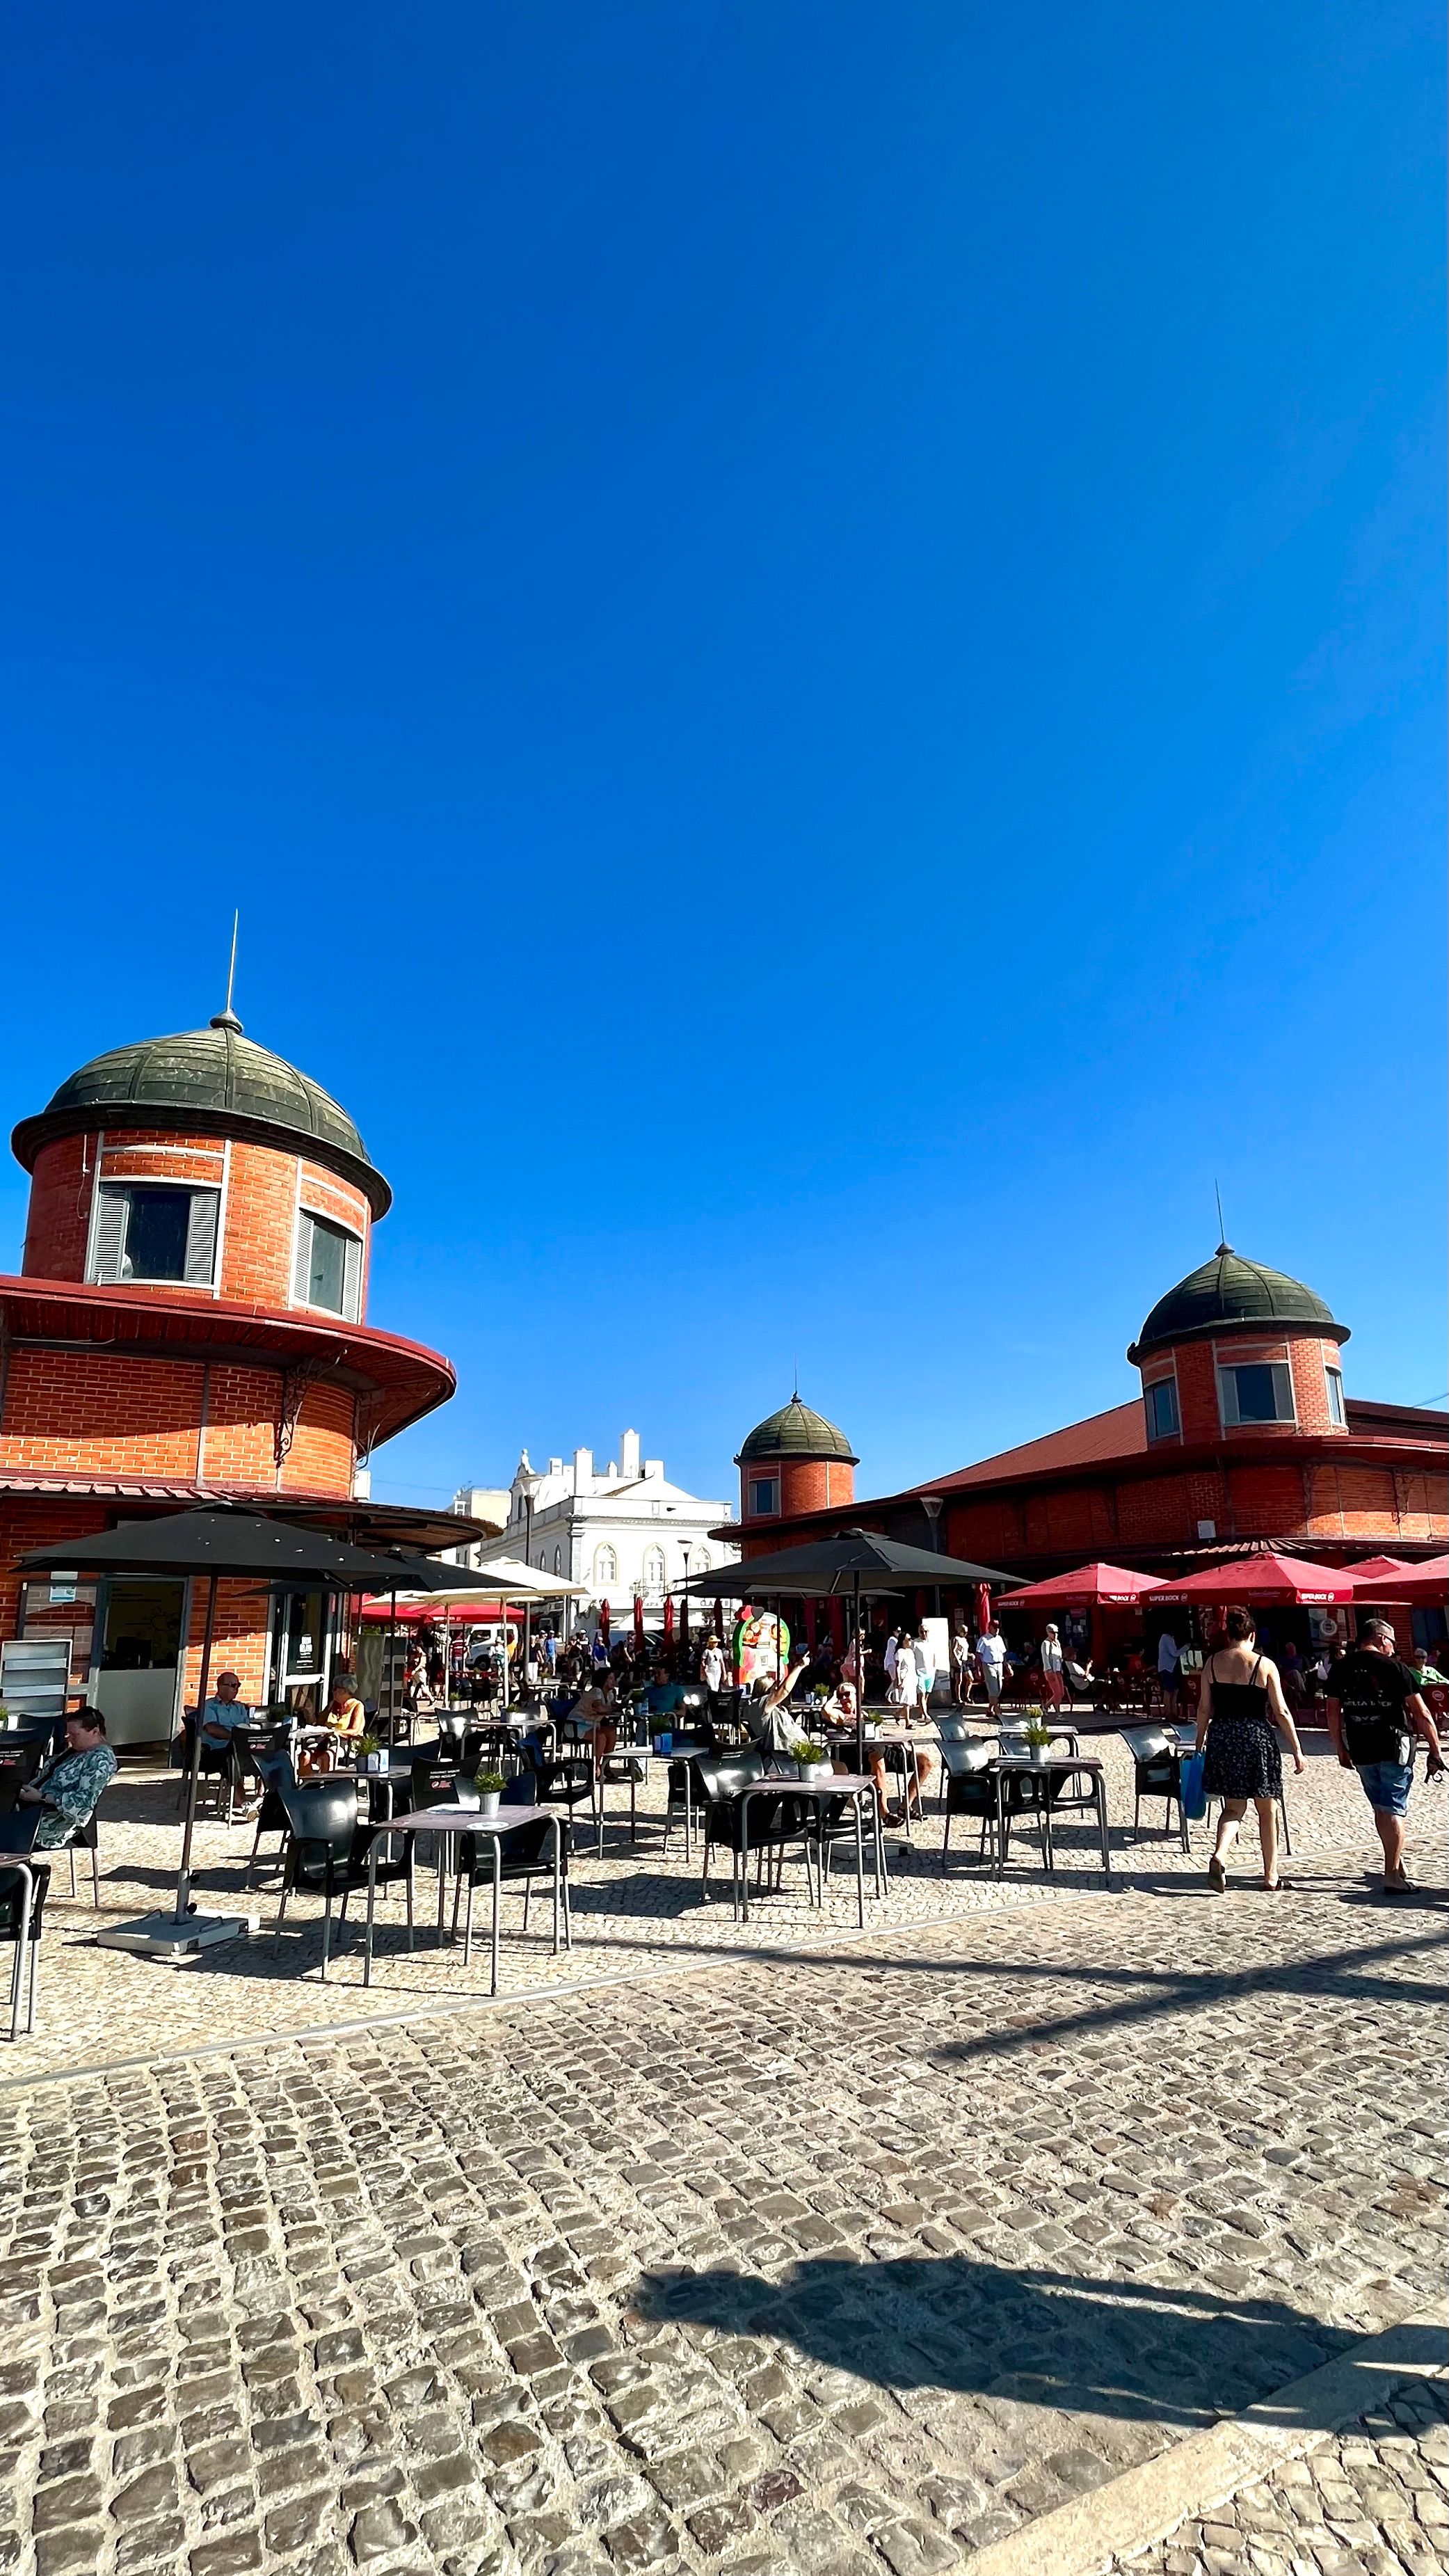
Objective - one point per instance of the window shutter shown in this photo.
(352, 1279)
(110, 1235)
(201, 1238)
(302, 1272)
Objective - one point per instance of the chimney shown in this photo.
(629, 1457)
(583, 1471)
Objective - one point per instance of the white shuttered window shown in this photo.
(329, 1267)
(155, 1230)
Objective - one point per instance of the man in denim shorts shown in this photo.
(1374, 1713)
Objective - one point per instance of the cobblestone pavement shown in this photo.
(635, 1909)
(849, 2263)
(1373, 2502)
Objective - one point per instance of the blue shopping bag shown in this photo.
(1194, 1797)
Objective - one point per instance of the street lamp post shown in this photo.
(529, 1488)
(685, 1551)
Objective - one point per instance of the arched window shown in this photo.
(654, 1569)
(700, 1560)
(606, 1568)
(558, 1560)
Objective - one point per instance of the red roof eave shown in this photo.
(409, 1379)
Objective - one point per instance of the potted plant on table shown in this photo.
(1038, 1737)
(489, 1785)
(368, 1749)
(812, 1759)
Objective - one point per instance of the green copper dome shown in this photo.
(796, 1432)
(1227, 1292)
(213, 1080)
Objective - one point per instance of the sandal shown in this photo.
(1217, 1876)
(1277, 1886)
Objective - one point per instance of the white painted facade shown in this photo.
(620, 1530)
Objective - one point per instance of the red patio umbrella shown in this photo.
(1265, 1576)
(1376, 1569)
(639, 1618)
(604, 1621)
(669, 1620)
(983, 1607)
(1427, 1582)
(1088, 1587)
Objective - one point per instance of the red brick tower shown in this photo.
(190, 1317)
(794, 1462)
(1240, 1351)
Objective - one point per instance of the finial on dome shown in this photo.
(226, 1017)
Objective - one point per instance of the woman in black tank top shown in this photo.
(1241, 1713)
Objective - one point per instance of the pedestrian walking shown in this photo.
(1375, 1710)
(960, 1665)
(1240, 1715)
(1053, 1667)
(1169, 1656)
(991, 1661)
(925, 1660)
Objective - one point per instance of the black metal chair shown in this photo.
(524, 1854)
(1156, 1773)
(773, 1822)
(327, 1852)
(277, 1776)
(24, 1886)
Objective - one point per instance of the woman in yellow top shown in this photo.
(345, 1713)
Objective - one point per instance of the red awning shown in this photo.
(1266, 1576)
(1428, 1583)
(1086, 1587)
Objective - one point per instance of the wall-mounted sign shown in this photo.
(62, 1587)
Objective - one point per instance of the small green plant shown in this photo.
(1036, 1734)
(807, 1753)
(488, 1783)
(367, 1744)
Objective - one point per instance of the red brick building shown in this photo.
(190, 1322)
(1243, 1432)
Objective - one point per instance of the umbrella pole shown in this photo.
(859, 1687)
(183, 1875)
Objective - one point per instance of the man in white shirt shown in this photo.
(991, 1660)
(1169, 1654)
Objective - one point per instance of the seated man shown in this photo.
(663, 1698)
(69, 1788)
(225, 1712)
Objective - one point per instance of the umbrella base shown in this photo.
(160, 1936)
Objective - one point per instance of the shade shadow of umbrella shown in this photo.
(1121, 2349)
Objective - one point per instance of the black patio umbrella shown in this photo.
(218, 1540)
(858, 1565)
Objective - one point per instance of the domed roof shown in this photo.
(209, 1079)
(796, 1432)
(1229, 1291)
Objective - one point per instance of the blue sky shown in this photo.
(810, 638)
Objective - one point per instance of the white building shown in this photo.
(621, 1530)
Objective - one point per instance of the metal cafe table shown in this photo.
(445, 1823)
(1084, 1768)
(687, 1752)
(841, 1784)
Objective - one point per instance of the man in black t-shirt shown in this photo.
(1374, 1713)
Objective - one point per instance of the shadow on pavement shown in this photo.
(1039, 2338)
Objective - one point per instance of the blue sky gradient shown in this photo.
(811, 640)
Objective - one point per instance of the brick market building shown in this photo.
(1242, 1434)
(190, 1323)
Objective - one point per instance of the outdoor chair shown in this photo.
(276, 1773)
(22, 1752)
(967, 1789)
(689, 1768)
(1156, 1773)
(327, 1852)
(773, 1822)
(85, 1837)
(525, 1855)
(24, 1886)
(555, 1779)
